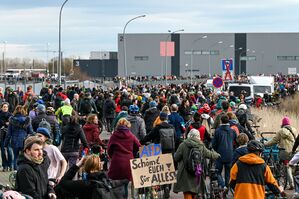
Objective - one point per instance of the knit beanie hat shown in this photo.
(163, 116)
(30, 141)
(285, 121)
(44, 131)
(153, 104)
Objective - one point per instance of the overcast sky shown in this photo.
(90, 25)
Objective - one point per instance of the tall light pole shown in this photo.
(3, 56)
(218, 42)
(59, 50)
(124, 44)
(171, 32)
(48, 67)
(242, 52)
(192, 52)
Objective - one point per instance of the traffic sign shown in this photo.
(217, 82)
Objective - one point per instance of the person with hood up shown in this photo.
(250, 174)
(137, 123)
(187, 182)
(122, 147)
(18, 129)
(150, 116)
(285, 138)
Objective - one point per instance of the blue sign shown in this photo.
(217, 82)
(150, 150)
(227, 64)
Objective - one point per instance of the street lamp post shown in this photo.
(124, 44)
(240, 68)
(171, 32)
(219, 42)
(59, 50)
(3, 56)
(192, 52)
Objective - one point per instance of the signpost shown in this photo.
(217, 82)
(227, 69)
(153, 170)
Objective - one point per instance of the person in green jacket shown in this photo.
(186, 182)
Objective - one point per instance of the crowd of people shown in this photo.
(50, 137)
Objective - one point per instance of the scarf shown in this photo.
(35, 160)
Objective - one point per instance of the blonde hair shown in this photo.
(166, 109)
(123, 122)
(20, 109)
(92, 164)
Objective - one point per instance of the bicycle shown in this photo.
(277, 166)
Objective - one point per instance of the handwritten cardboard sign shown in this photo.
(150, 150)
(153, 170)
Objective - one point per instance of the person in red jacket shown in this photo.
(92, 131)
(122, 147)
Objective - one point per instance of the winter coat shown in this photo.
(150, 116)
(18, 129)
(69, 188)
(92, 134)
(186, 182)
(13, 101)
(32, 178)
(205, 136)
(223, 142)
(4, 117)
(71, 133)
(109, 108)
(249, 176)
(137, 126)
(122, 147)
(284, 138)
(154, 135)
(240, 151)
(52, 121)
(91, 104)
(178, 122)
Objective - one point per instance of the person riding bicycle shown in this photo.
(285, 138)
(250, 174)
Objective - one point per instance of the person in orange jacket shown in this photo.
(250, 174)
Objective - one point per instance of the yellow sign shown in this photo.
(153, 170)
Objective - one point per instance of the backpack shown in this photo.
(45, 124)
(85, 107)
(108, 189)
(167, 139)
(194, 161)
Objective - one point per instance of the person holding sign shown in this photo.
(121, 148)
(190, 182)
(163, 134)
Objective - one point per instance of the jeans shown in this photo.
(16, 153)
(219, 167)
(6, 156)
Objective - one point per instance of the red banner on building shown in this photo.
(167, 48)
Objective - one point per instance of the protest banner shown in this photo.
(153, 170)
(150, 150)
